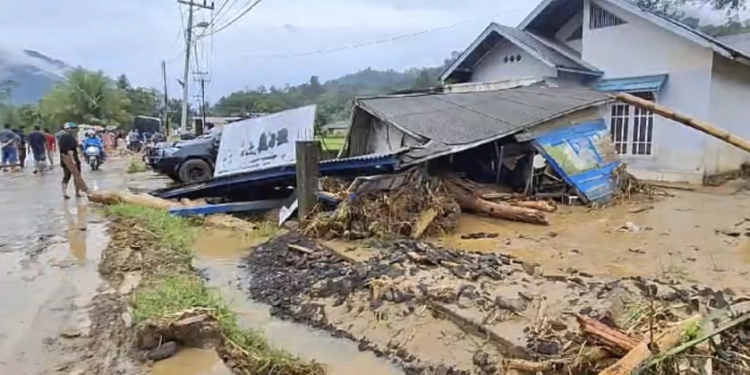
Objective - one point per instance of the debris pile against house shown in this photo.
(499, 313)
(407, 204)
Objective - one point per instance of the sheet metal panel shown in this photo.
(584, 156)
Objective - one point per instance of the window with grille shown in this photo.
(600, 18)
(632, 128)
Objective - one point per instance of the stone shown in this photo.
(164, 351)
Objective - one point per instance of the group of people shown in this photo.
(15, 144)
(42, 144)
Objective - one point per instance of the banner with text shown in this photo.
(264, 142)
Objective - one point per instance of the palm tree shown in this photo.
(85, 97)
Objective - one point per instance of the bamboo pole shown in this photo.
(685, 120)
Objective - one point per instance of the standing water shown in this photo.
(219, 253)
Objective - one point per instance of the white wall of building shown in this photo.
(730, 99)
(639, 48)
(492, 67)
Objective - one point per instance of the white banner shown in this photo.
(264, 142)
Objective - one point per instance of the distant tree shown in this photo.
(123, 83)
(85, 97)
(424, 80)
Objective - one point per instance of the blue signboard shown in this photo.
(584, 156)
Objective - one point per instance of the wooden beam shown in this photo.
(685, 120)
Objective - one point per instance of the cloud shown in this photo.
(134, 36)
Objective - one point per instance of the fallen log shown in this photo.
(217, 220)
(468, 201)
(696, 124)
(536, 205)
(613, 339)
(663, 342)
(78, 181)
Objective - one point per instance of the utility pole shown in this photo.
(166, 98)
(202, 78)
(188, 45)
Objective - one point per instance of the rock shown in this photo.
(558, 326)
(164, 351)
(516, 305)
(70, 333)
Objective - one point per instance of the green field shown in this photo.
(331, 143)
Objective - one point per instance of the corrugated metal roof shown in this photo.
(465, 118)
(553, 56)
(633, 84)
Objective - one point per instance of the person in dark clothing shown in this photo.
(21, 147)
(38, 144)
(68, 145)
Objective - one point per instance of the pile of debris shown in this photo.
(421, 205)
(581, 324)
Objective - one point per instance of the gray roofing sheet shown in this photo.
(740, 42)
(464, 118)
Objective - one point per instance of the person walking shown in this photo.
(68, 145)
(51, 146)
(21, 147)
(9, 147)
(38, 145)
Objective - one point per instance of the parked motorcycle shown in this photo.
(93, 157)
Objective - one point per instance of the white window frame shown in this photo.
(623, 118)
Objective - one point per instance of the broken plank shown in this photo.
(208, 209)
(505, 347)
(610, 337)
(664, 342)
(299, 248)
(424, 222)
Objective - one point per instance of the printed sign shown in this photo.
(263, 142)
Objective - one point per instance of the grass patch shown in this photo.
(136, 166)
(170, 285)
(332, 143)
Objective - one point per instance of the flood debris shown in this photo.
(567, 323)
(421, 205)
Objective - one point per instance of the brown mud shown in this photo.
(434, 310)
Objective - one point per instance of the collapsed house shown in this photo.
(540, 140)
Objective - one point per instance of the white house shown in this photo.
(614, 45)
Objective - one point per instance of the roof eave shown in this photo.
(594, 73)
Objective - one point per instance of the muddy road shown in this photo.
(49, 251)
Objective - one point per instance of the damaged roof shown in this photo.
(478, 117)
(546, 51)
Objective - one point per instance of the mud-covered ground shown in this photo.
(445, 311)
(49, 254)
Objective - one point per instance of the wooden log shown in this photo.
(696, 124)
(610, 337)
(424, 222)
(664, 341)
(78, 181)
(468, 201)
(536, 205)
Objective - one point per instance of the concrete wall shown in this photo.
(730, 95)
(568, 28)
(640, 48)
(492, 66)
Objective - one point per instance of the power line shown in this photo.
(215, 18)
(336, 49)
(236, 18)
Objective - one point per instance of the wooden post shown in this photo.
(308, 155)
(691, 122)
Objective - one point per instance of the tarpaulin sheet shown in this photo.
(584, 156)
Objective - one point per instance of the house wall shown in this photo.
(565, 31)
(730, 91)
(640, 48)
(492, 66)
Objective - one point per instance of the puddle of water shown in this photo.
(342, 357)
(221, 244)
(191, 362)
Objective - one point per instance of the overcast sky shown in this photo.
(134, 36)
